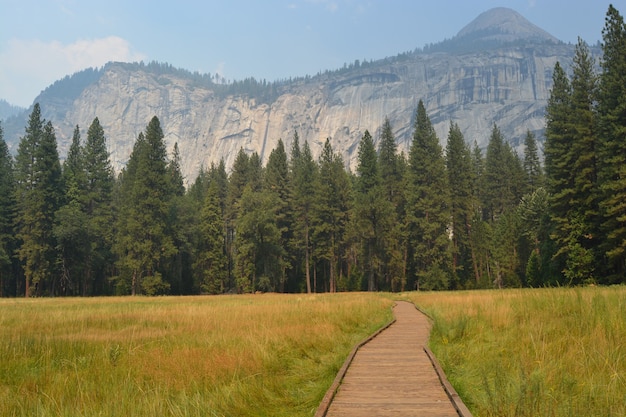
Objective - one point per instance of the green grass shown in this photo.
(263, 355)
(543, 352)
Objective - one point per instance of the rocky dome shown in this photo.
(503, 25)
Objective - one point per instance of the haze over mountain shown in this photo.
(497, 69)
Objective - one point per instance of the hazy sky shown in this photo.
(41, 41)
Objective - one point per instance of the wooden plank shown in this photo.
(392, 374)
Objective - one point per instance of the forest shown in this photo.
(435, 219)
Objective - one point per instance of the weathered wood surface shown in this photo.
(392, 375)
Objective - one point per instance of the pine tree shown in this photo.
(331, 213)
(98, 205)
(533, 214)
(143, 243)
(558, 161)
(237, 181)
(38, 191)
(277, 183)
(391, 167)
(211, 262)
(612, 146)
(71, 230)
(498, 187)
(257, 248)
(7, 212)
(462, 202)
(372, 213)
(178, 227)
(305, 178)
(428, 212)
(532, 164)
(73, 168)
(584, 201)
(571, 167)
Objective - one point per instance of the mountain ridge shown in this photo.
(506, 82)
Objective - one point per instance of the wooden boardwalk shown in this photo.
(392, 375)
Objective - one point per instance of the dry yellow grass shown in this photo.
(533, 352)
(227, 355)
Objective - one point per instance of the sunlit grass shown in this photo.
(271, 355)
(548, 352)
(543, 352)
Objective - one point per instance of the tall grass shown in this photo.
(262, 355)
(543, 352)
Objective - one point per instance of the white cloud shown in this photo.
(29, 66)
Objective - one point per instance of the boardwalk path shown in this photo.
(392, 375)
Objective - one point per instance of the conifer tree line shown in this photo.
(433, 219)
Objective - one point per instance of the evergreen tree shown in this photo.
(480, 232)
(70, 230)
(8, 284)
(305, 178)
(257, 247)
(532, 164)
(428, 212)
(98, 205)
(462, 203)
(331, 214)
(38, 191)
(612, 146)
(211, 262)
(277, 183)
(178, 273)
(391, 166)
(73, 167)
(572, 168)
(143, 243)
(372, 213)
(533, 214)
(584, 200)
(498, 186)
(558, 161)
(237, 181)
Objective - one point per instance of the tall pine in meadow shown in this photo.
(210, 266)
(572, 168)
(391, 167)
(142, 243)
(583, 238)
(277, 183)
(8, 284)
(612, 147)
(428, 212)
(331, 214)
(372, 213)
(558, 161)
(38, 192)
(71, 230)
(98, 205)
(237, 181)
(304, 183)
(462, 203)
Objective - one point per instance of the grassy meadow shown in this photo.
(263, 355)
(543, 352)
(533, 352)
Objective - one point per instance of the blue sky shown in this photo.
(41, 41)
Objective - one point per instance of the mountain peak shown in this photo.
(503, 25)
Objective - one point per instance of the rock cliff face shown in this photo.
(476, 79)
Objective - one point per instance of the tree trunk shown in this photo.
(133, 284)
(306, 260)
